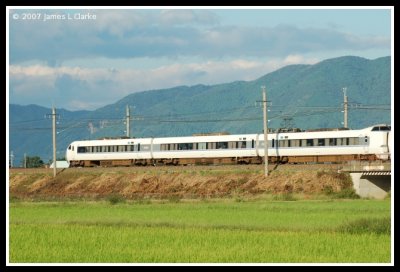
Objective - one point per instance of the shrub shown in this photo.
(174, 199)
(367, 225)
(239, 199)
(347, 193)
(284, 197)
(320, 173)
(328, 190)
(114, 199)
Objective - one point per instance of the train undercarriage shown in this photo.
(224, 161)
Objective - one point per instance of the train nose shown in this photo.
(68, 155)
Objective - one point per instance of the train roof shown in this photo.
(345, 132)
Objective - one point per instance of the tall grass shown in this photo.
(213, 231)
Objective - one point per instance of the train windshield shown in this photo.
(381, 128)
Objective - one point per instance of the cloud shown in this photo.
(78, 88)
(170, 33)
(182, 16)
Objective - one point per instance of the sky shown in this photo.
(83, 59)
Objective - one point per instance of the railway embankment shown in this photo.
(176, 182)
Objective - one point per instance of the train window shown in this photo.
(72, 148)
(69, 147)
(353, 141)
(310, 142)
(295, 143)
(211, 145)
(202, 146)
(242, 144)
(185, 146)
(145, 147)
(273, 142)
(252, 143)
(138, 147)
(81, 149)
(222, 145)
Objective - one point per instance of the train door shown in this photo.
(364, 142)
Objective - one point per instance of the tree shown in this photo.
(33, 162)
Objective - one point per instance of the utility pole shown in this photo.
(54, 143)
(345, 110)
(265, 131)
(54, 116)
(128, 120)
(12, 159)
(24, 160)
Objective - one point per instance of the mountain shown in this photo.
(303, 96)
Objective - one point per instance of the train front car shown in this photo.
(70, 154)
(380, 141)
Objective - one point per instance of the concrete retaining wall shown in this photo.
(373, 186)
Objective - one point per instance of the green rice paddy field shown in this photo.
(217, 231)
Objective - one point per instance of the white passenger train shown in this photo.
(372, 143)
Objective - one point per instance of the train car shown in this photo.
(372, 143)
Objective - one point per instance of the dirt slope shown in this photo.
(164, 182)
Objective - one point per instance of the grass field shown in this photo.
(260, 231)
